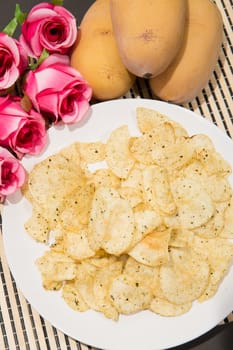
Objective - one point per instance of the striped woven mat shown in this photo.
(21, 327)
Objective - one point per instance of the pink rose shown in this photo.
(12, 174)
(58, 90)
(13, 61)
(22, 132)
(48, 26)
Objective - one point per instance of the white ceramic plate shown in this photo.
(143, 330)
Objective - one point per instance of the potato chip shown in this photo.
(73, 298)
(181, 238)
(227, 231)
(219, 253)
(133, 196)
(145, 222)
(80, 201)
(104, 178)
(134, 179)
(214, 225)
(150, 147)
(175, 156)
(218, 188)
(157, 189)
(56, 267)
(76, 245)
(214, 163)
(120, 227)
(163, 307)
(143, 274)
(148, 119)
(37, 226)
(92, 152)
(99, 215)
(128, 296)
(195, 206)
(118, 156)
(111, 222)
(101, 285)
(201, 142)
(152, 250)
(185, 277)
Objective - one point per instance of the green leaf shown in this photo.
(19, 18)
(43, 56)
(19, 15)
(11, 27)
(57, 2)
(33, 63)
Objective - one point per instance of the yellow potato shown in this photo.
(193, 65)
(148, 33)
(96, 54)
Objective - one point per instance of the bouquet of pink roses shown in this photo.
(38, 87)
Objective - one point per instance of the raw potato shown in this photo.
(190, 71)
(96, 54)
(148, 33)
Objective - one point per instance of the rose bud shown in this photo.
(58, 90)
(49, 27)
(20, 131)
(12, 174)
(13, 60)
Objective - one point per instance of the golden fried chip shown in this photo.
(150, 147)
(101, 285)
(157, 189)
(164, 307)
(92, 152)
(143, 274)
(195, 206)
(56, 267)
(76, 245)
(146, 221)
(148, 119)
(99, 215)
(214, 163)
(185, 277)
(73, 298)
(120, 227)
(181, 238)
(128, 296)
(219, 253)
(218, 188)
(104, 178)
(118, 156)
(152, 250)
(227, 231)
(37, 226)
(213, 227)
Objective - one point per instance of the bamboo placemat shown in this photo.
(21, 326)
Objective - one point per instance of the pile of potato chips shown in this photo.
(150, 228)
